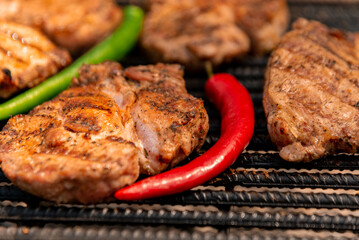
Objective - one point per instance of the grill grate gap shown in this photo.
(260, 190)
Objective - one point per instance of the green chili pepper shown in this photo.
(114, 47)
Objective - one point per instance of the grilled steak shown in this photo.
(191, 32)
(95, 137)
(73, 24)
(311, 92)
(27, 58)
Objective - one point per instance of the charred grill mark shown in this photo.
(296, 101)
(71, 94)
(119, 140)
(163, 106)
(322, 44)
(317, 60)
(116, 139)
(175, 126)
(72, 105)
(31, 57)
(302, 71)
(79, 136)
(38, 49)
(19, 38)
(311, 109)
(43, 115)
(92, 78)
(170, 108)
(82, 124)
(9, 55)
(159, 90)
(312, 57)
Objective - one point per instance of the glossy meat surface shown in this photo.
(75, 25)
(27, 57)
(97, 136)
(311, 92)
(170, 123)
(192, 32)
(75, 147)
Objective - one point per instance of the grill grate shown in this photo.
(260, 196)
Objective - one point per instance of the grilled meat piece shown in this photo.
(264, 21)
(311, 92)
(76, 147)
(27, 58)
(191, 32)
(75, 25)
(95, 137)
(170, 123)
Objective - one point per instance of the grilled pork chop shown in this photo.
(27, 58)
(311, 92)
(170, 123)
(191, 32)
(75, 25)
(95, 137)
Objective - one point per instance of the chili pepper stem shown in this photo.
(209, 68)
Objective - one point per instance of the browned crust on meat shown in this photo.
(76, 147)
(76, 25)
(265, 21)
(27, 58)
(170, 122)
(311, 92)
(193, 32)
(199, 31)
(97, 136)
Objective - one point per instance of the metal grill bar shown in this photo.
(265, 198)
(235, 198)
(11, 230)
(265, 218)
(263, 159)
(274, 178)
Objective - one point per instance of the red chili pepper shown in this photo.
(236, 109)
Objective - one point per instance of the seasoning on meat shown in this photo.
(311, 92)
(27, 58)
(76, 25)
(191, 32)
(170, 123)
(237, 124)
(108, 49)
(97, 136)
